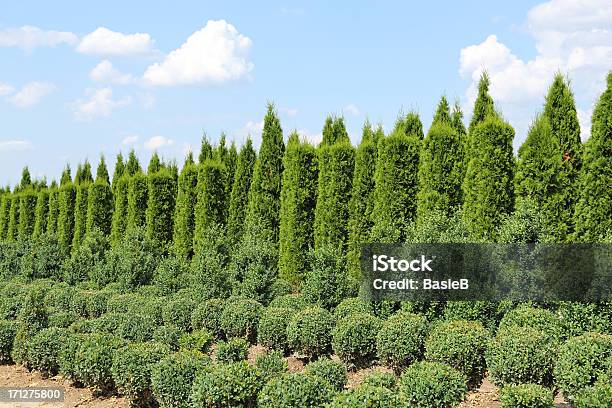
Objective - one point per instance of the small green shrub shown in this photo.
(62, 319)
(173, 376)
(108, 323)
(169, 275)
(380, 379)
(226, 385)
(96, 303)
(197, 340)
(135, 327)
(232, 350)
(354, 339)
(331, 371)
(367, 396)
(432, 385)
(461, 345)
(526, 396)
(123, 303)
(272, 329)
(240, 318)
(579, 318)
(295, 391)
(131, 370)
(271, 365)
(280, 287)
(485, 312)
(527, 316)
(309, 332)
(350, 306)
(8, 330)
(596, 396)
(521, 355)
(168, 335)
(208, 316)
(582, 361)
(400, 340)
(178, 313)
(44, 348)
(94, 359)
(290, 301)
(66, 357)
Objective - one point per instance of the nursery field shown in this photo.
(235, 281)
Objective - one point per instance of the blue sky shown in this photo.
(80, 80)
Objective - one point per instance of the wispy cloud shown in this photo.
(14, 145)
(31, 94)
(157, 142)
(106, 42)
(30, 37)
(105, 72)
(99, 104)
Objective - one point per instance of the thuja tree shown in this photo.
(133, 165)
(336, 167)
(119, 171)
(80, 212)
(155, 164)
(27, 212)
(593, 217)
(362, 197)
(560, 110)
(120, 210)
(230, 172)
(41, 213)
(483, 107)
(263, 218)
(298, 200)
(53, 209)
(5, 210)
(100, 202)
(184, 219)
(160, 207)
(13, 222)
(83, 174)
(239, 197)
(396, 180)
(206, 150)
(488, 186)
(138, 197)
(457, 124)
(210, 206)
(65, 218)
(440, 175)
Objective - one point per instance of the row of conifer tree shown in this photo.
(301, 197)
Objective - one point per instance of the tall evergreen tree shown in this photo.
(41, 213)
(442, 114)
(483, 106)
(12, 228)
(83, 174)
(221, 151)
(120, 210)
(119, 170)
(239, 197)
(5, 211)
(298, 201)
(263, 216)
(133, 165)
(26, 179)
(65, 217)
(160, 207)
(488, 185)
(457, 124)
(138, 197)
(155, 164)
(328, 132)
(27, 212)
(593, 217)
(206, 150)
(210, 206)
(53, 209)
(80, 212)
(66, 177)
(100, 202)
(184, 219)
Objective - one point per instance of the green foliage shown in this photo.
(85, 259)
(44, 258)
(255, 265)
(295, 391)
(272, 328)
(580, 318)
(540, 319)
(488, 186)
(290, 301)
(231, 351)
(597, 396)
(206, 150)
(168, 335)
(197, 340)
(521, 355)
(226, 385)
(207, 315)
(136, 327)
(43, 350)
(5, 210)
(120, 211)
(66, 357)
(80, 214)
(271, 365)
(460, 344)
(32, 318)
(173, 376)
(52, 211)
(331, 371)
(526, 396)
(326, 282)
(138, 196)
(210, 207)
(582, 361)
(239, 197)
(367, 396)
(119, 171)
(8, 330)
(354, 339)
(209, 266)
(27, 213)
(160, 207)
(350, 306)
(100, 202)
(184, 219)
(63, 319)
(93, 361)
(309, 332)
(178, 313)
(432, 385)
(380, 379)
(240, 318)
(170, 274)
(65, 217)
(483, 106)
(41, 213)
(12, 227)
(400, 340)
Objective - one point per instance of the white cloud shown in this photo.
(14, 145)
(103, 41)
(105, 72)
(30, 37)
(129, 140)
(291, 112)
(352, 110)
(215, 54)
(99, 104)
(157, 142)
(5, 89)
(31, 94)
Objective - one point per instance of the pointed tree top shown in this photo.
(102, 171)
(119, 168)
(189, 159)
(442, 112)
(367, 134)
(294, 139)
(206, 150)
(66, 176)
(328, 131)
(154, 164)
(133, 165)
(484, 105)
(26, 178)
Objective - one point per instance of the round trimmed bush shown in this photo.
(579, 318)
(597, 396)
(135, 327)
(526, 396)
(96, 303)
(178, 313)
(226, 385)
(208, 316)
(173, 376)
(43, 350)
(309, 332)
(485, 312)
(521, 355)
(367, 396)
(527, 316)
(290, 301)
(83, 326)
(198, 340)
(152, 307)
(295, 391)
(8, 330)
(350, 306)
(168, 335)
(381, 379)
(354, 339)
(272, 329)
(94, 359)
(240, 318)
(331, 371)
(108, 322)
(400, 340)
(232, 350)
(123, 303)
(66, 357)
(582, 361)
(271, 365)
(429, 384)
(62, 319)
(131, 370)
(280, 287)
(461, 345)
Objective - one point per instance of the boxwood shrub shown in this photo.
(173, 376)
(295, 391)
(309, 332)
(367, 396)
(351, 306)
(108, 322)
(429, 384)
(226, 385)
(291, 301)
(8, 329)
(131, 370)
(596, 396)
(526, 396)
(579, 318)
(381, 379)
(333, 372)
(197, 340)
(67, 355)
(62, 319)
(44, 348)
(354, 339)
(93, 361)
(96, 303)
(582, 361)
(521, 355)
(400, 340)
(528, 316)
(240, 318)
(232, 350)
(136, 327)
(461, 345)
(178, 313)
(271, 365)
(272, 329)
(207, 315)
(168, 335)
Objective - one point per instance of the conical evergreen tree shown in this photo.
(53, 211)
(80, 212)
(184, 219)
(5, 211)
(483, 106)
(221, 151)
(83, 174)
(27, 212)
(66, 177)
(593, 217)
(298, 201)
(160, 207)
(239, 197)
(65, 218)
(442, 114)
(263, 216)
(457, 124)
(120, 210)
(206, 150)
(328, 131)
(155, 164)
(362, 198)
(26, 179)
(396, 181)
(100, 202)
(210, 206)
(41, 213)
(138, 198)
(12, 228)
(133, 165)
(119, 170)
